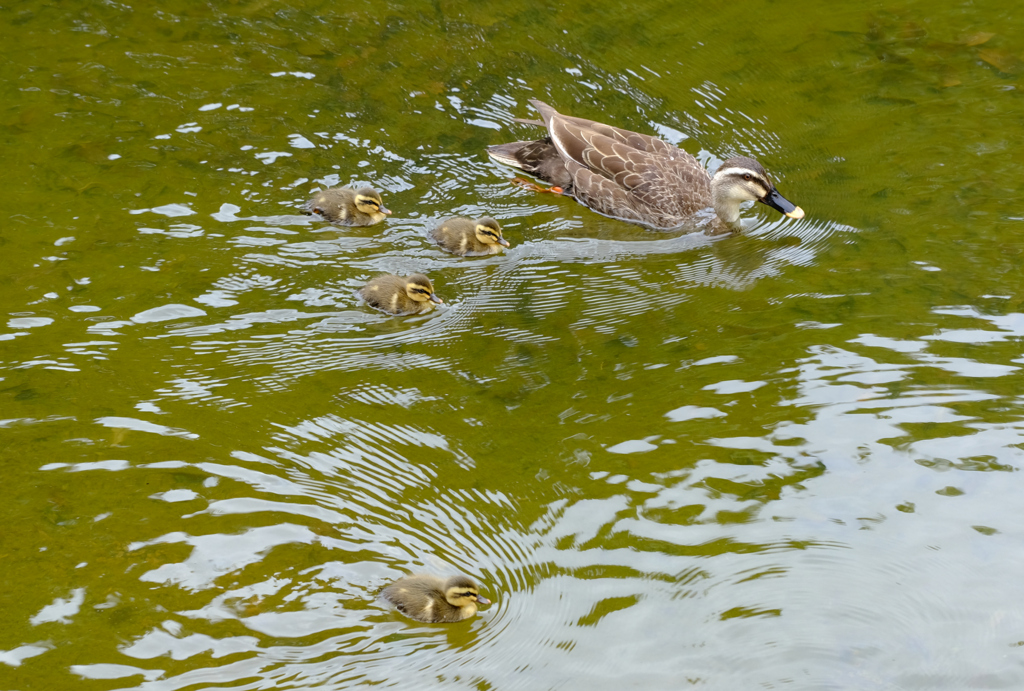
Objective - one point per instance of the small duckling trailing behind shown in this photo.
(469, 238)
(431, 599)
(348, 207)
(397, 295)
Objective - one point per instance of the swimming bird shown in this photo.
(348, 207)
(432, 599)
(412, 294)
(469, 238)
(636, 177)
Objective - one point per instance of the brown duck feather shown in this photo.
(626, 174)
(632, 176)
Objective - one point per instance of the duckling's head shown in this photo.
(419, 288)
(368, 201)
(489, 232)
(462, 591)
(742, 179)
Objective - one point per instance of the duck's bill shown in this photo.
(384, 211)
(503, 242)
(434, 298)
(482, 600)
(782, 205)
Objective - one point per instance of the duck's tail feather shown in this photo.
(546, 111)
(506, 153)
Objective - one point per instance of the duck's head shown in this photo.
(368, 201)
(489, 232)
(742, 179)
(462, 591)
(419, 288)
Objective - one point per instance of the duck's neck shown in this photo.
(726, 208)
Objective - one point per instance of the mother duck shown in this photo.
(636, 177)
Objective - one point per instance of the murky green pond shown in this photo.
(781, 459)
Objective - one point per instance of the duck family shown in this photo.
(625, 175)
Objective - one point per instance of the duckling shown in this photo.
(348, 207)
(469, 238)
(396, 295)
(431, 599)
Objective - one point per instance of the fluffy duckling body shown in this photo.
(348, 207)
(397, 295)
(469, 238)
(431, 599)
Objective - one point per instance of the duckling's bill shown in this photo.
(434, 298)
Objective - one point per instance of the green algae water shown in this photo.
(786, 458)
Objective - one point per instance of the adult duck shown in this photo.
(636, 177)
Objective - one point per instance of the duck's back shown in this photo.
(630, 175)
(422, 598)
(388, 293)
(624, 174)
(333, 204)
(660, 193)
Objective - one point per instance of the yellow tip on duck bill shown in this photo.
(781, 204)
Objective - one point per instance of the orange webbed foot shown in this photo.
(530, 185)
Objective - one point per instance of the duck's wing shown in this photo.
(566, 128)
(656, 188)
(626, 174)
